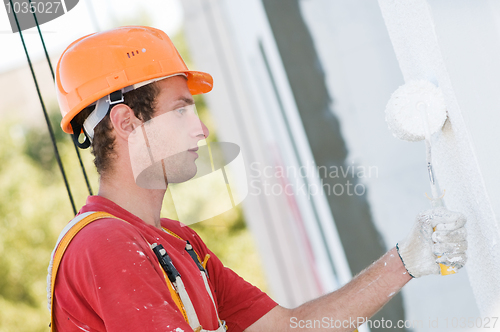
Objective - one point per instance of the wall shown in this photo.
(455, 44)
(362, 72)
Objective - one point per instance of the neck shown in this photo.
(144, 203)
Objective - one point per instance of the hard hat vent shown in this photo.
(133, 53)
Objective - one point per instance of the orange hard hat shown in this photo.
(96, 65)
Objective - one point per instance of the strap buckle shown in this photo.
(115, 97)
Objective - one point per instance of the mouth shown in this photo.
(193, 151)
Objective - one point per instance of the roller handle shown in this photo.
(445, 270)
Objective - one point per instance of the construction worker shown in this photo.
(118, 266)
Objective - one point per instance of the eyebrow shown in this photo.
(187, 100)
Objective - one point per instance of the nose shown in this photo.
(198, 128)
(204, 129)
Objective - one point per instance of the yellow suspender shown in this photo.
(63, 245)
(175, 296)
(59, 252)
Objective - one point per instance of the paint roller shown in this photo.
(415, 111)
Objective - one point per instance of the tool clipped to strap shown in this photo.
(165, 262)
(194, 256)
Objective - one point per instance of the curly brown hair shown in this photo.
(142, 101)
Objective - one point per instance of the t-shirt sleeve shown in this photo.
(240, 303)
(108, 274)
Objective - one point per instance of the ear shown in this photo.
(124, 120)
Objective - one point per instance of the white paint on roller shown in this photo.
(402, 112)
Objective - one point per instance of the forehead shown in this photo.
(173, 89)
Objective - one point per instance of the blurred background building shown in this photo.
(301, 86)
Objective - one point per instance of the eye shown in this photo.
(181, 110)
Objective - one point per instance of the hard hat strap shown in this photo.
(77, 129)
(102, 108)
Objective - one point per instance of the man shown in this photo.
(130, 91)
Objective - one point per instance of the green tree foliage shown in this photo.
(33, 209)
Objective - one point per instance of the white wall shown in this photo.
(455, 44)
(362, 71)
(468, 36)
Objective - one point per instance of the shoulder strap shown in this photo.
(67, 234)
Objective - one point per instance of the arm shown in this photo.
(438, 236)
(362, 297)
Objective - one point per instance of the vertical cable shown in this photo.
(54, 77)
(51, 132)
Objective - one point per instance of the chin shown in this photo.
(186, 175)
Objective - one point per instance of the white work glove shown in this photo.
(424, 249)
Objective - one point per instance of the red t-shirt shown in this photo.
(110, 280)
